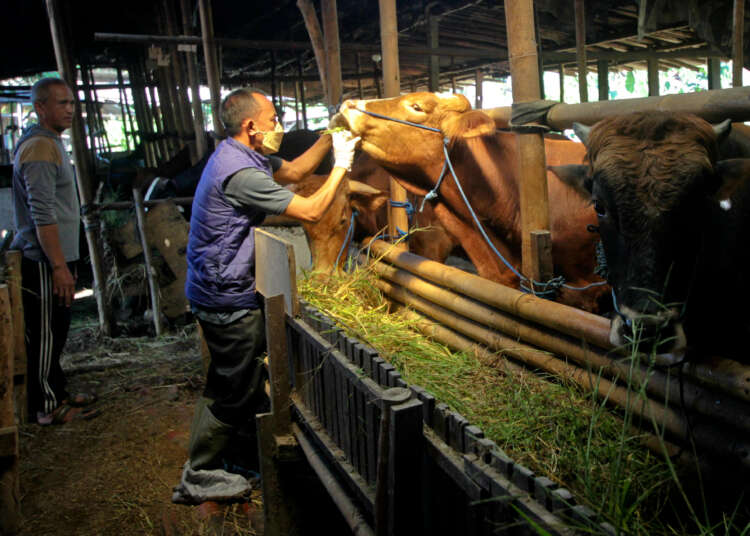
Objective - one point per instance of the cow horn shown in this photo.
(582, 131)
(356, 187)
(722, 129)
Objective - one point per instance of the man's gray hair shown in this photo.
(239, 105)
(40, 89)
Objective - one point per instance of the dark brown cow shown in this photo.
(486, 163)
(675, 225)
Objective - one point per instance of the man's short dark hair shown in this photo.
(239, 105)
(40, 89)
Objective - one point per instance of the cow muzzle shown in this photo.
(662, 330)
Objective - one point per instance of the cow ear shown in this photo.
(722, 130)
(582, 131)
(467, 125)
(575, 176)
(731, 175)
(365, 198)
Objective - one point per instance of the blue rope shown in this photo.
(405, 205)
(347, 238)
(548, 287)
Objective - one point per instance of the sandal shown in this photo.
(80, 400)
(66, 413)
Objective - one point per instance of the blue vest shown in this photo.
(221, 244)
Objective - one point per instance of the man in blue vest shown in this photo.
(236, 190)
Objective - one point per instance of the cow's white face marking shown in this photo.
(725, 204)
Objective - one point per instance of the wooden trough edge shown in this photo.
(461, 448)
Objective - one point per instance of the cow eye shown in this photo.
(416, 107)
(600, 209)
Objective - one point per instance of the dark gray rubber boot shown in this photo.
(208, 438)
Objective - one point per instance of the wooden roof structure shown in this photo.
(268, 44)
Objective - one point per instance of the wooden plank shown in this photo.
(404, 468)
(277, 512)
(278, 369)
(275, 269)
(13, 278)
(9, 480)
(372, 418)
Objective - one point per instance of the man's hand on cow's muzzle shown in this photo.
(344, 144)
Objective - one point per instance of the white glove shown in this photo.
(344, 144)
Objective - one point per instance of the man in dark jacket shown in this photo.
(237, 189)
(47, 225)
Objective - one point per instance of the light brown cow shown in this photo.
(486, 163)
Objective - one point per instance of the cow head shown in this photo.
(327, 235)
(652, 178)
(405, 148)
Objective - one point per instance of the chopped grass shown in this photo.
(552, 427)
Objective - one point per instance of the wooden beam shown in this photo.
(580, 14)
(653, 78)
(212, 64)
(329, 14)
(66, 68)
(191, 63)
(524, 67)
(433, 25)
(602, 67)
(714, 73)
(316, 41)
(397, 217)
(738, 32)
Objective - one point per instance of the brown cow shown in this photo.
(675, 224)
(486, 163)
(366, 191)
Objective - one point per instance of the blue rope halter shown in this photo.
(347, 238)
(548, 287)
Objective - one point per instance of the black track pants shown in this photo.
(47, 325)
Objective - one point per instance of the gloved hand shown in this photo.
(344, 144)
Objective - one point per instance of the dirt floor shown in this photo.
(114, 474)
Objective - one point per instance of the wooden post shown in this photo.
(153, 286)
(360, 93)
(302, 92)
(90, 225)
(13, 263)
(653, 77)
(329, 14)
(405, 458)
(316, 39)
(278, 360)
(124, 111)
(519, 16)
(602, 68)
(433, 25)
(9, 483)
(580, 14)
(714, 73)
(397, 218)
(561, 70)
(738, 32)
(478, 83)
(192, 73)
(212, 66)
(177, 86)
(541, 256)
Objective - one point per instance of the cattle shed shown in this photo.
(385, 449)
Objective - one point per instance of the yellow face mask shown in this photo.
(272, 139)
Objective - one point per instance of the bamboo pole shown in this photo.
(398, 220)
(433, 41)
(653, 77)
(153, 286)
(738, 39)
(524, 69)
(658, 384)
(83, 178)
(212, 65)
(719, 441)
(723, 374)
(713, 106)
(10, 507)
(191, 62)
